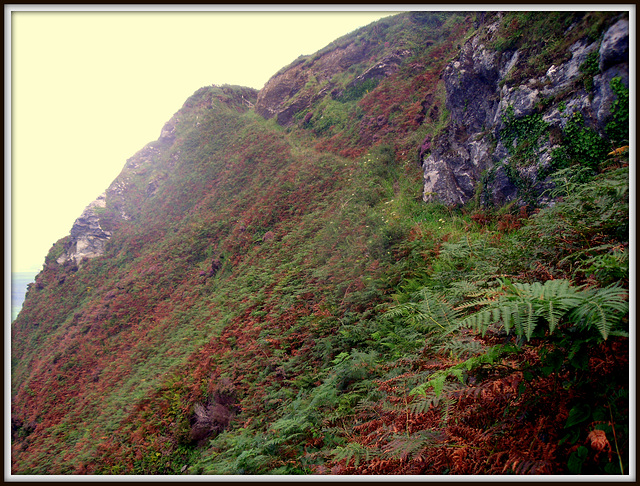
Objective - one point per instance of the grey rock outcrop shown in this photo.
(87, 236)
(168, 133)
(479, 99)
(615, 45)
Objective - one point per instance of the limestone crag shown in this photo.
(87, 236)
(479, 98)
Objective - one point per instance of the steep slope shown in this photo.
(235, 192)
(257, 290)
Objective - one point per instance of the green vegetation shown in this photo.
(357, 91)
(618, 127)
(284, 302)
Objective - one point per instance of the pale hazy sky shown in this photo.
(90, 89)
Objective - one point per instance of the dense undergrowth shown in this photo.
(346, 327)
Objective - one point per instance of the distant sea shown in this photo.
(19, 282)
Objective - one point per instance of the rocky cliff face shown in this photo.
(87, 236)
(91, 231)
(485, 151)
(481, 102)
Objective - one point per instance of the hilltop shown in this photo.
(407, 254)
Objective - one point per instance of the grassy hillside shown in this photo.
(283, 302)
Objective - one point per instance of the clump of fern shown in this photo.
(556, 325)
(555, 310)
(524, 308)
(586, 230)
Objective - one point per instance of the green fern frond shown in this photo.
(428, 310)
(353, 450)
(521, 307)
(552, 314)
(602, 308)
(452, 251)
(506, 316)
(412, 314)
(531, 322)
(555, 300)
(447, 405)
(465, 287)
(436, 382)
(479, 321)
(443, 397)
(434, 305)
(524, 304)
